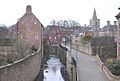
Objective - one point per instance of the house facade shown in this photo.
(109, 29)
(54, 35)
(29, 29)
(117, 37)
(76, 37)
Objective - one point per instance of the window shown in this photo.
(76, 41)
(76, 35)
(55, 37)
(35, 22)
(36, 36)
(96, 24)
(49, 37)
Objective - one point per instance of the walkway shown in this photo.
(88, 68)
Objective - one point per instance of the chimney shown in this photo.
(108, 23)
(115, 22)
(28, 9)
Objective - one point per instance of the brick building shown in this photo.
(117, 37)
(29, 29)
(54, 35)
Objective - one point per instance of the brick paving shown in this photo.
(88, 68)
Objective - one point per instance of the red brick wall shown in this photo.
(30, 30)
(55, 35)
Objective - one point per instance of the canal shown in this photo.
(52, 72)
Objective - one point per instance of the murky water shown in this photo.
(52, 72)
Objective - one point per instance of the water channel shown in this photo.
(52, 72)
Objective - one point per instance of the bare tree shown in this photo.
(65, 23)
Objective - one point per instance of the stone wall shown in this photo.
(86, 48)
(70, 65)
(25, 69)
(107, 72)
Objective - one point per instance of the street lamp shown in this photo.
(77, 59)
(65, 41)
(76, 49)
(70, 43)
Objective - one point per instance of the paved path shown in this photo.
(88, 68)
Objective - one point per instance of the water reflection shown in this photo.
(52, 72)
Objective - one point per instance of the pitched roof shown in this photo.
(29, 14)
(118, 15)
(76, 32)
(4, 32)
(110, 28)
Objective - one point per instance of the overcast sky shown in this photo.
(46, 10)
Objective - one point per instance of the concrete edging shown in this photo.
(109, 75)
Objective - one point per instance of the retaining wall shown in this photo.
(109, 75)
(25, 69)
(86, 48)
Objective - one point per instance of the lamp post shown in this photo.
(76, 50)
(70, 44)
(101, 49)
(76, 60)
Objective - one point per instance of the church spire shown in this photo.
(94, 14)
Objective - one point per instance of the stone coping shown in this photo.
(101, 64)
(109, 75)
(17, 61)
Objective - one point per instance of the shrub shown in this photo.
(2, 62)
(33, 48)
(114, 66)
(9, 60)
(86, 38)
